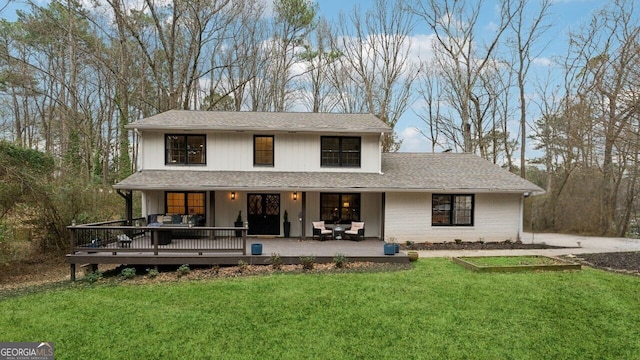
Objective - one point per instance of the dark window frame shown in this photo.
(273, 150)
(452, 211)
(341, 151)
(356, 208)
(186, 201)
(167, 160)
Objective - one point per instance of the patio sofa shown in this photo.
(176, 220)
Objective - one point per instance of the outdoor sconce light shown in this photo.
(233, 195)
(295, 196)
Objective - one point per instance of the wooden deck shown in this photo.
(207, 246)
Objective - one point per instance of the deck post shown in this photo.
(72, 238)
(154, 236)
(73, 272)
(244, 241)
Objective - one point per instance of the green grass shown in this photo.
(436, 310)
(510, 260)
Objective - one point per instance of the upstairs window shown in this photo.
(185, 150)
(452, 210)
(263, 150)
(337, 151)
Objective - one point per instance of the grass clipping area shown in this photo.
(437, 309)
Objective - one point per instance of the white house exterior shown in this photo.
(318, 166)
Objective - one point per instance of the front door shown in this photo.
(264, 214)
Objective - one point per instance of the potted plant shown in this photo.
(238, 223)
(413, 255)
(286, 225)
(396, 246)
(390, 246)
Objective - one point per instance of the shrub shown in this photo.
(151, 272)
(242, 266)
(276, 261)
(340, 261)
(458, 241)
(183, 270)
(307, 262)
(128, 273)
(93, 276)
(215, 269)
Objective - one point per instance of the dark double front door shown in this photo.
(264, 214)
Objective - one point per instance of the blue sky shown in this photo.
(566, 15)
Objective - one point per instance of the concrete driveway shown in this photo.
(575, 244)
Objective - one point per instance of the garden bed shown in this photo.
(515, 263)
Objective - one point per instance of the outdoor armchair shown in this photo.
(320, 230)
(356, 231)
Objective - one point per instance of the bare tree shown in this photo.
(527, 26)
(376, 53)
(461, 58)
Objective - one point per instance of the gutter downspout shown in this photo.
(521, 220)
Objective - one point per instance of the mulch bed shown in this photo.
(477, 245)
(625, 262)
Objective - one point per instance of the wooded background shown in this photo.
(72, 75)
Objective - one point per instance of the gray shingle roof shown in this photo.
(401, 172)
(451, 172)
(262, 121)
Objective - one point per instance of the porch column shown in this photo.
(304, 215)
(383, 210)
(128, 198)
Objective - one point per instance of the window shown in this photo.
(339, 208)
(185, 150)
(452, 210)
(185, 203)
(263, 150)
(340, 151)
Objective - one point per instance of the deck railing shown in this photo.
(116, 237)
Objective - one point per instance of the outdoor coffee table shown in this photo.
(338, 232)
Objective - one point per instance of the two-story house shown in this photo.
(209, 166)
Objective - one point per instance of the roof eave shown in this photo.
(143, 187)
(258, 129)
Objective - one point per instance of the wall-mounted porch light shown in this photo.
(233, 195)
(295, 195)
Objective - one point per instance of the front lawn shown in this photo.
(437, 310)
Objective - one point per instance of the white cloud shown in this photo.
(413, 141)
(421, 48)
(542, 61)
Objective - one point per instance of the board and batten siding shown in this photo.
(408, 218)
(225, 210)
(370, 212)
(233, 151)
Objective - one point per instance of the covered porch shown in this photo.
(261, 199)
